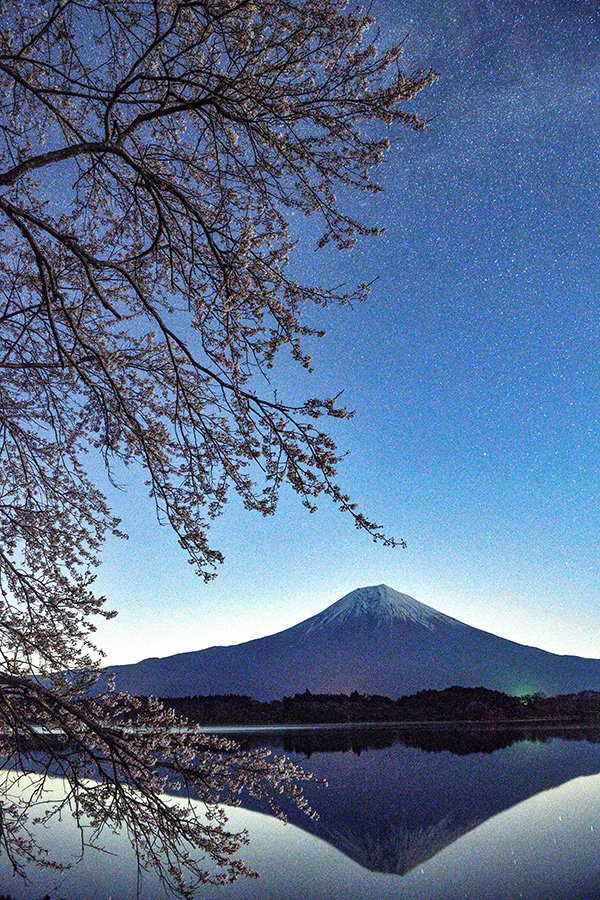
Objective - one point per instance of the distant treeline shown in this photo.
(449, 705)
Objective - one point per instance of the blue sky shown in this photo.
(473, 367)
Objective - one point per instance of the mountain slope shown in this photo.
(374, 640)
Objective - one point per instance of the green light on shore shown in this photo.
(520, 687)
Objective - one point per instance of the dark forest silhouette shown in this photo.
(449, 705)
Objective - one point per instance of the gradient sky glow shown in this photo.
(473, 369)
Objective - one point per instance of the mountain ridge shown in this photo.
(374, 640)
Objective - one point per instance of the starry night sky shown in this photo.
(473, 367)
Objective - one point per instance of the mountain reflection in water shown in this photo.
(396, 797)
(397, 801)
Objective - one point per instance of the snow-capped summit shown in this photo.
(380, 602)
(374, 640)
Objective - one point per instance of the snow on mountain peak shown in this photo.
(383, 603)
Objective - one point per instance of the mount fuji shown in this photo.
(375, 641)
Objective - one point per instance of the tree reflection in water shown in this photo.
(460, 740)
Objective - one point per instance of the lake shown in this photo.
(432, 813)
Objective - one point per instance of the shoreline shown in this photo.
(404, 724)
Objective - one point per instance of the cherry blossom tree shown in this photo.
(152, 156)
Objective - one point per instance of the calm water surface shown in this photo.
(421, 813)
